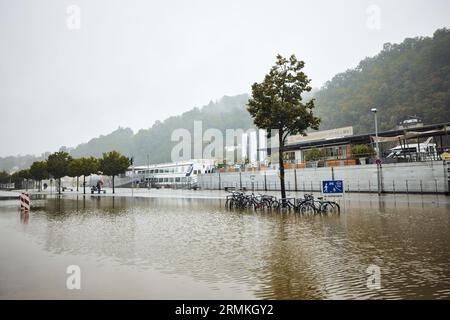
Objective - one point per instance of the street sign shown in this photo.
(333, 187)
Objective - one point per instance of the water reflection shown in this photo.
(273, 255)
(24, 216)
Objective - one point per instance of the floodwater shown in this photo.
(184, 248)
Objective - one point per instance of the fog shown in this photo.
(65, 80)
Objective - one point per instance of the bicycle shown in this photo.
(311, 206)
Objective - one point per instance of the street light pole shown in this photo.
(148, 171)
(374, 111)
(132, 176)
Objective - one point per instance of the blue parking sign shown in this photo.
(335, 187)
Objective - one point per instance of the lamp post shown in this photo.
(148, 171)
(374, 111)
(132, 176)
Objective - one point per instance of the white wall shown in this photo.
(426, 177)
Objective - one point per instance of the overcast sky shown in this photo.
(129, 63)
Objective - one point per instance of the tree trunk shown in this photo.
(77, 184)
(281, 162)
(84, 184)
(113, 183)
(59, 186)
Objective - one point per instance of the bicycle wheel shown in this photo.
(307, 208)
(324, 207)
(275, 205)
(335, 208)
(329, 208)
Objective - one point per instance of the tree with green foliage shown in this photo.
(314, 154)
(411, 78)
(57, 166)
(15, 178)
(362, 150)
(113, 163)
(4, 177)
(74, 169)
(88, 166)
(19, 177)
(26, 175)
(39, 171)
(277, 104)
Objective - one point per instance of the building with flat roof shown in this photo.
(336, 144)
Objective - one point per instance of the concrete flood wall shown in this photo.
(416, 177)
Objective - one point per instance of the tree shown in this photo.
(276, 104)
(405, 79)
(19, 176)
(362, 150)
(15, 178)
(4, 177)
(57, 165)
(88, 167)
(74, 169)
(25, 175)
(314, 154)
(39, 171)
(113, 163)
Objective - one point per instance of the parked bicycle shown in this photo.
(306, 205)
(309, 205)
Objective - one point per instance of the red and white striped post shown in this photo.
(25, 201)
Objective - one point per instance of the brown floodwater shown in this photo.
(184, 248)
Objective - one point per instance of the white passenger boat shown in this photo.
(172, 175)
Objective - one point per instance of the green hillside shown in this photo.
(411, 78)
(227, 113)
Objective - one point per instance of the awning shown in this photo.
(408, 135)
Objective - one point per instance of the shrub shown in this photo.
(314, 154)
(362, 150)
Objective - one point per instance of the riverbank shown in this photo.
(423, 199)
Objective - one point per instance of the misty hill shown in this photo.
(411, 78)
(227, 113)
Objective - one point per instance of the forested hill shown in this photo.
(227, 113)
(411, 78)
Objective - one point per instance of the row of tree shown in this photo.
(61, 164)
